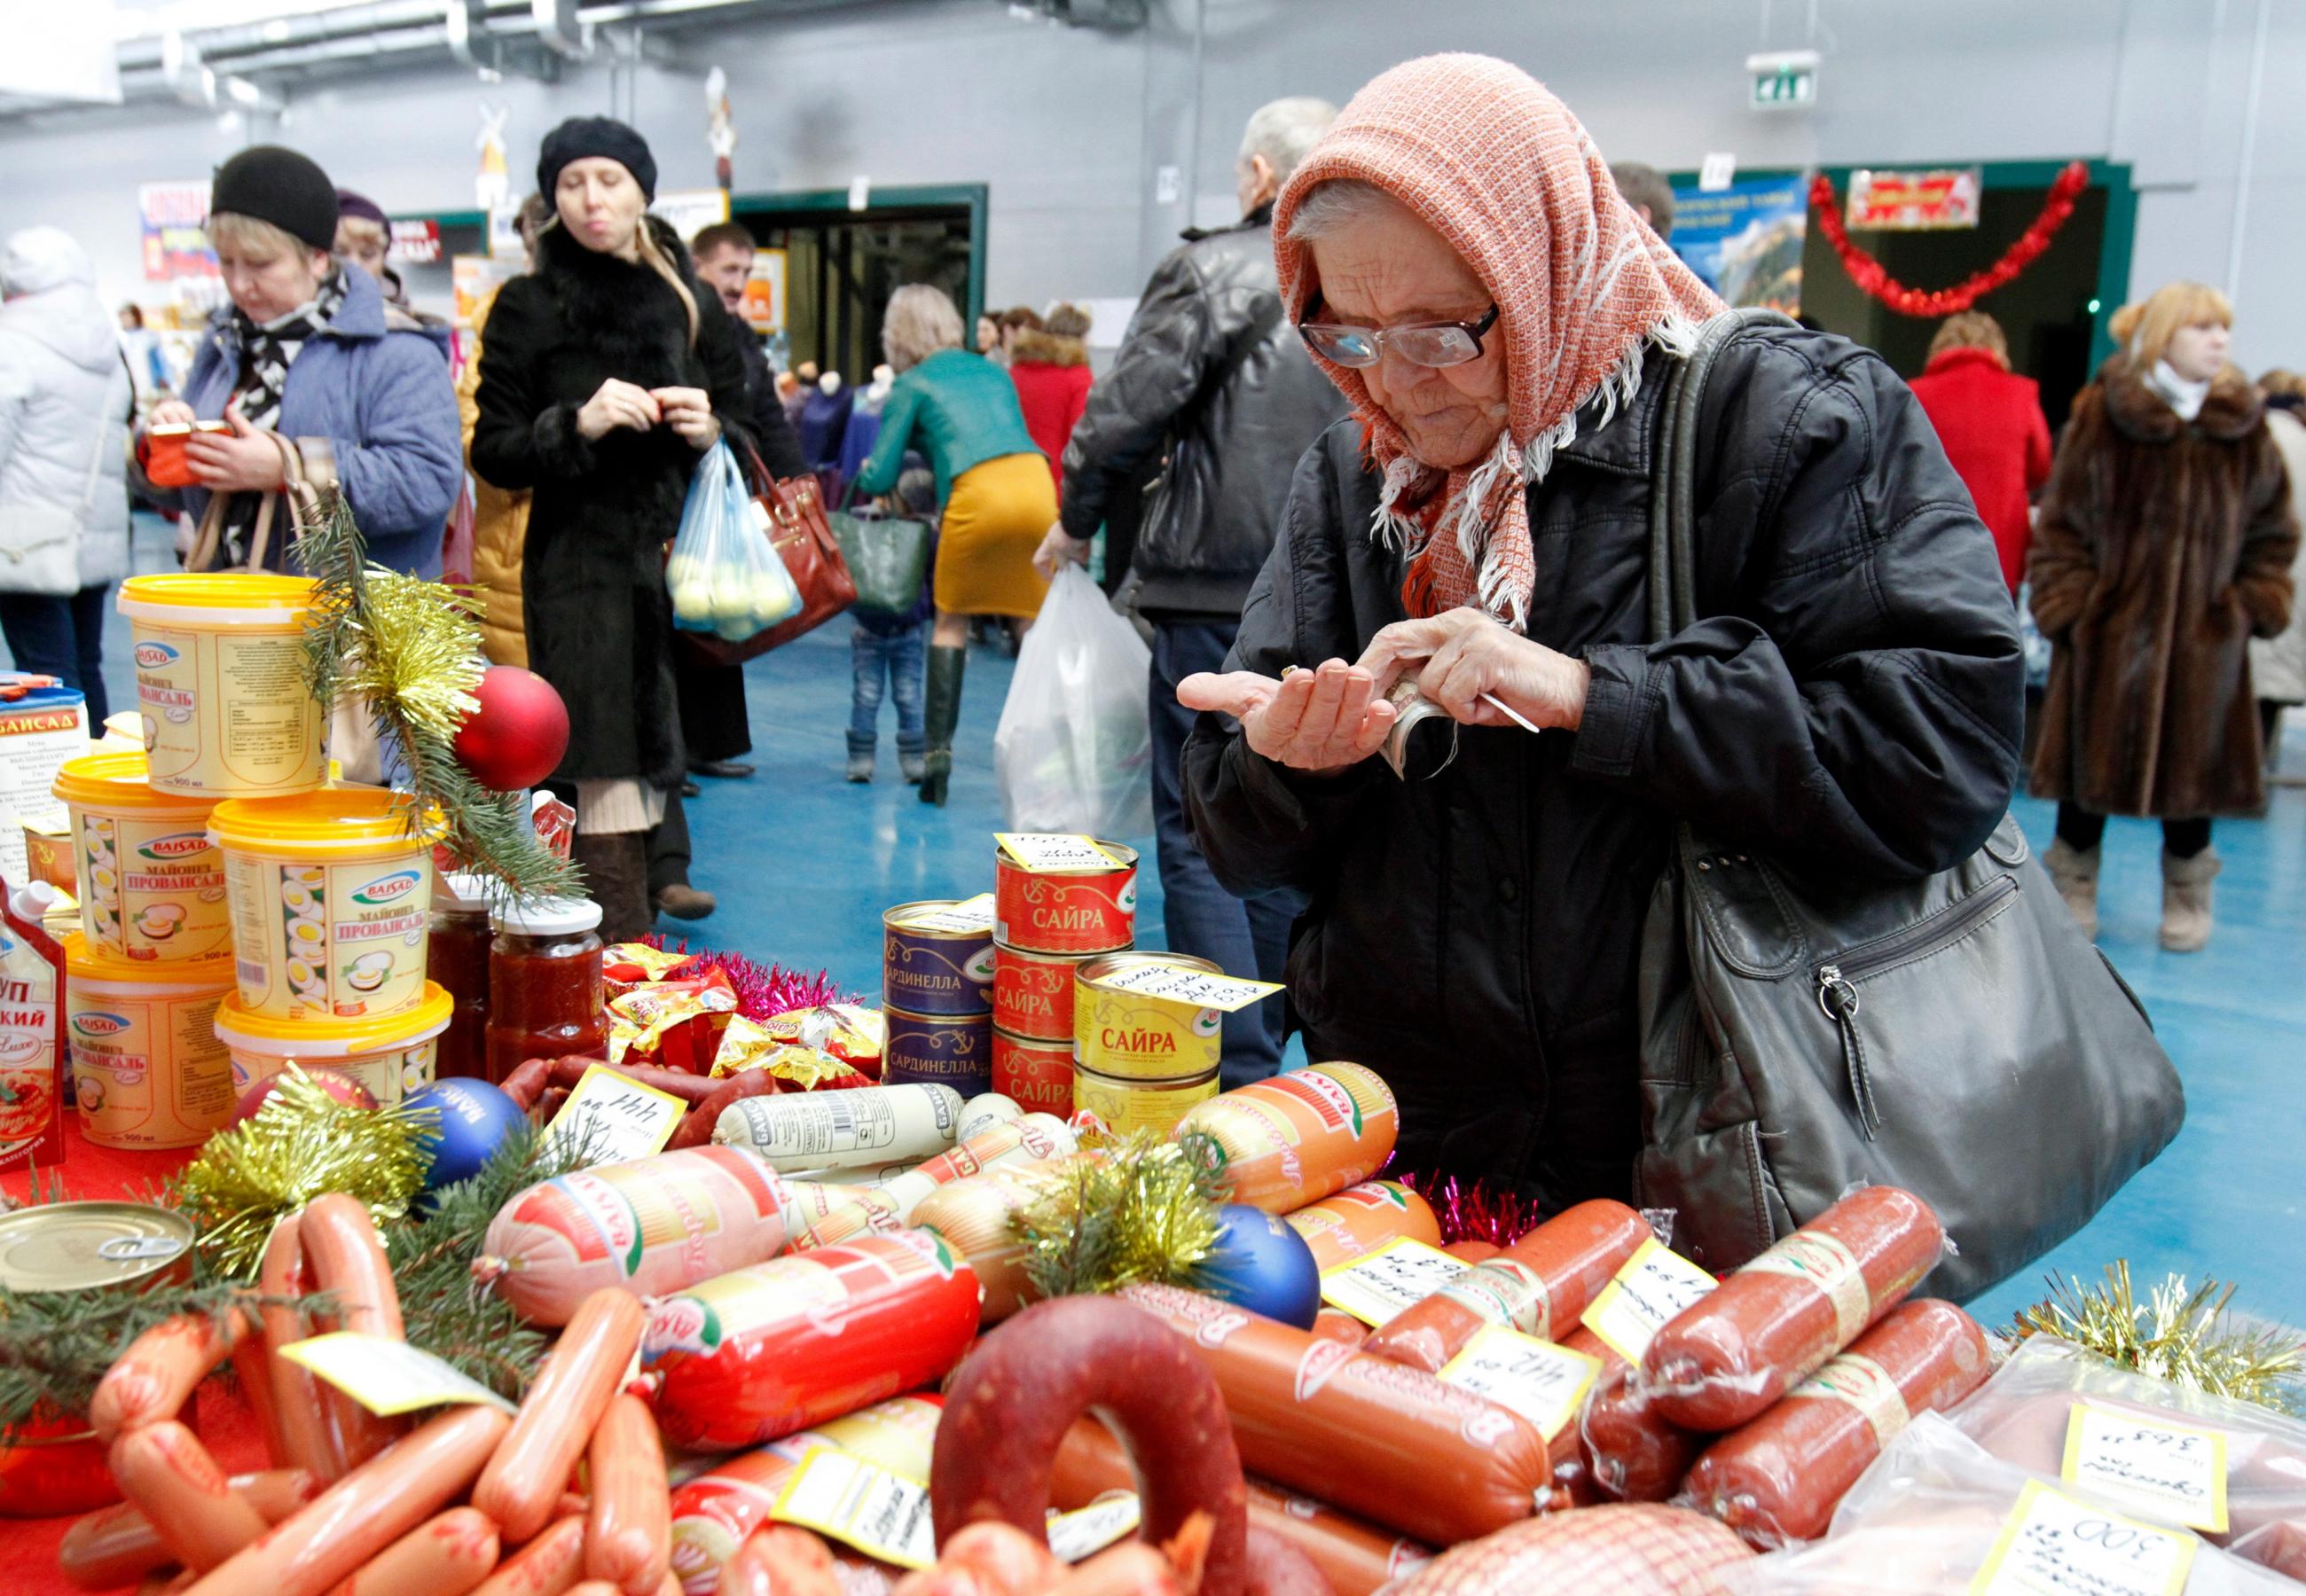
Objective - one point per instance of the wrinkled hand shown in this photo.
(1056, 548)
(1321, 721)
(618, 404)
(689, 411)
(171, 413)
(1457, 656)
(243, 461)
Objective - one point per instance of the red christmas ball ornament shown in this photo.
(518, 733)
(336, 1083)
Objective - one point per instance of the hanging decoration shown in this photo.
(1868, 273)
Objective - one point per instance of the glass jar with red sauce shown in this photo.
(545, 997)
(456, 957)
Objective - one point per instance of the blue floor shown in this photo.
(803, 863)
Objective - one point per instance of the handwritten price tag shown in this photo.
(2171, 1472)
(1541, 1382)
(968, 915)
(1041, 852)
(388, 1377)
(2054, 1545)
(1378, 1286)
(1198, 987)
(1087, 1531)
(617, 1117)
(1652, 1288)
(862, 1505)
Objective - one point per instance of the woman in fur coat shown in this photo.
(2163, 546)
(605, 375)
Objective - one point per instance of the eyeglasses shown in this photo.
(1420, 343)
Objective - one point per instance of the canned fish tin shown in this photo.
(1033, 994)
(938, 1050)
(1090, 908)
(1037, 1073)
(92, 1246)
(936, 957)
(1129, 1035)
(1154, 1105)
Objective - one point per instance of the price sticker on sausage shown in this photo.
(2057, 1545)
(1087, 1531)
(861, 1503)
(1377, 1285)
(614, 1118)
(2174, 1472)
(1043, 852)
(387, 1376)
(1652, 1288)
(1541, 1382)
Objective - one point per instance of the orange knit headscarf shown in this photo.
(1484, 155)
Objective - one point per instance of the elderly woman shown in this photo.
(1460, 265)
(310, 359)
(961, 410)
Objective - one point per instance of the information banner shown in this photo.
(1913, 202)
(1746, 240)
(415, 242)
(175, 218)
(764, 293)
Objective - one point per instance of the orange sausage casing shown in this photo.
(1334, 1324)
(1391, 1443)
(1772, 1323)
(1473, 1250)
(299, 1406)
(1362, 1219)
(548, 1565)
(365, 1511)
(151, 1380)
(523, 1478)
(165, 1472)
(628, 1530)
(346, 1258)
(1538, 1285)
(1779, 1478)
(447, 1555)
(114, 1545)
(1281, 1143)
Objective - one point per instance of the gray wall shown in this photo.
(1069, 127)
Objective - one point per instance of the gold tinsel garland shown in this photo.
(1141, 1211)
(2177, 1335)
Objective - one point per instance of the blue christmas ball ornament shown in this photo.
(475, 1119)
(1264, 1266)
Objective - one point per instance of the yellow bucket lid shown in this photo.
(224, 590)
(84, 963)
(119, 779)
(319, 1037)
(333, 820)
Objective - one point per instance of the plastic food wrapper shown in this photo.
(1936, 1510)
(2026, 1415)
(676, 1023)
(850, 1033)
(630, 964)
(1622, 1547)
(723, 574)
(554, 821)
(748, 1044)
(1074, 747)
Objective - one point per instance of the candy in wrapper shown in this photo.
(677, 1024)
(747, 1045)
(554, 821)
(849, 1032)
(631, 964)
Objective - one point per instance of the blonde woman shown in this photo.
(2163, 547)
(993, 485)
(606, 372)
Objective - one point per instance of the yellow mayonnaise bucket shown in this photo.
(330, 893)
(146, 1068)
(220, 679)
(150, 883)
(390, 1055)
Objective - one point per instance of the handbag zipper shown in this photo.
(1838, 997)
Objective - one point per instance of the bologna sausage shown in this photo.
(1362, 1219)
(1633, 1452)
(447, 1555)
(974, 1217)
(151, 1380)
(169, 1475)
(1281, 1143)
(1768, 1326)
(114, 1545)
(522, 1483)
(547, 1566)
(629, 1528)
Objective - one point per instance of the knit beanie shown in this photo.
(278, 185)
(582, 137)
(359, 208)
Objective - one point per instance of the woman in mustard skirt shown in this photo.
(993, 488)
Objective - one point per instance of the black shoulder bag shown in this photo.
(1804, 1033)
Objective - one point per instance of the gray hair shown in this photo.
(1645, 188)
(1332, 207)
(1285, 132)
(920, 321)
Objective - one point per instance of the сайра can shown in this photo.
(1066, 911)
(1122, 1107)
(1034, 1073)
(1128, 1035)
(938, 1050)
(935, 962)
(1033, 994)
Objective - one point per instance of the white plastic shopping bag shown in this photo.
(1073, 752)
(724, 577)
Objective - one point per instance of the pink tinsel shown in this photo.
(1473, 1210)
(762, 992)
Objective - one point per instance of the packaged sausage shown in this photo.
(1362, 1219)
(1538, 1285)
(1391, 1443)
(1770, 1326)
(756, 1353)
(799, 1132)
(1627, 1548)
(650, 1226)
(1297, 1138)
(1034, 1138)
(973, 1215)
(818, 1214)
(1778, 1478)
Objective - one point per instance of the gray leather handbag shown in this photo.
(1803, 1034)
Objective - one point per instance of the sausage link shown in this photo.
(628, 1527)
(1009, 1405)
(165, 1471)
(1000, 1556)
(695, 1127)
(346, 1258)
(153, 1379)
(254, 1375)
(308, 1440)
(522, 1482)
(446, 1556)
(364, 1511)
(527, 1081)
(691, 1090)
(779, 1560)
(548, 1565)
(114, 1545)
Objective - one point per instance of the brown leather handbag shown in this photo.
(792, 514)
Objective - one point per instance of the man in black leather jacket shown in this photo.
(1212, 372)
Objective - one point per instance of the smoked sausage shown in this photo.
(346, 1258)
(447, 1555)
(1538, 1285)
(1362, 1219)
(1391, 1443)
(169, 1475)
(1768, 1326)
(1779, 1478)
(547, 1566)
(114, 1545)
(522, 1481)
(1633, 1452)
(695, 1127)
(628, 1527)
(299, 1405)
(1009, 1405)
(150, 1381)
(364, 1511)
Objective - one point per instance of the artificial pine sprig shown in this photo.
(410, 651)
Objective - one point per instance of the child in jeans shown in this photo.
(898, 647)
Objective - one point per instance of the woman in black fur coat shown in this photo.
(605, 375)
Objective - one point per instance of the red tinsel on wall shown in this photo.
(1867, 272)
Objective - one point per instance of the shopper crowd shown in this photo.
(1376, 442)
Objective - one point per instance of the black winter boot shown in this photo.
(942, 708)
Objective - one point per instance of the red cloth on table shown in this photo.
(1997, 438)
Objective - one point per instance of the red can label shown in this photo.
(1066, 913)
(1033, 1073)
(1033, 994)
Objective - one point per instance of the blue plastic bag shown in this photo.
(724, 577)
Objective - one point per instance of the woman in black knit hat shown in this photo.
(605, 374)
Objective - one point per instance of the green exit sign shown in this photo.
(1784, 83)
